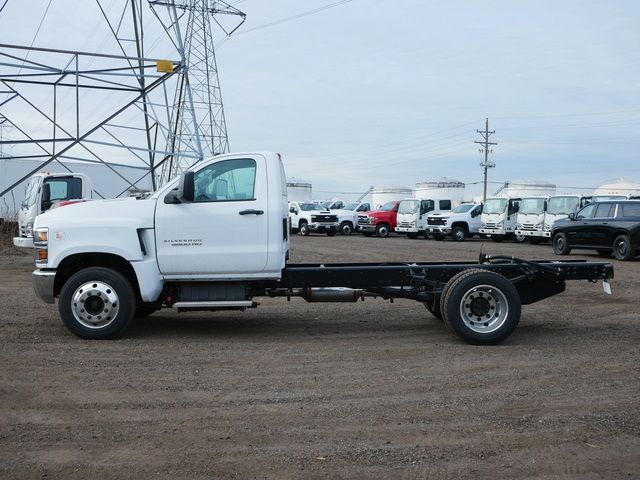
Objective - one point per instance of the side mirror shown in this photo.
(293, 210)
(46, 197)
(572, 216)
(186, 187)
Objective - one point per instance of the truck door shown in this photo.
(224, 230)
(577, 231)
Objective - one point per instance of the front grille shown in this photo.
(405, 224)
(436, 221)
(528, 226)
(365, 220)
(324, 218)
(490, 225)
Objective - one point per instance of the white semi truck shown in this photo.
(499, 217)
(560, 206)
(217, 238)
(44, 191)
(530, 218)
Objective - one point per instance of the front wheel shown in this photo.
(458, 234)
(561, 245)
(346, 228)
(304, 229)
(482, 307)
(97, 303)
(622, 248)
(519, 238)
(383, 230)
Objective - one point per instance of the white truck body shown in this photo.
(413, 214)
(530, 217)
(44, 191)
(462, 222)
(499, 216)
(560, 206)
(348, 214)
(309, 216)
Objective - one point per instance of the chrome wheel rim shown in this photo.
(484, 309)
(95, 304)
(459, 235)
(346, 230)
(559, 243)
(622, 248)
(383, 231)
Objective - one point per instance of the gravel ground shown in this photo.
(297, 390)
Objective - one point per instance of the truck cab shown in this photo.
(561, 206)
(530, 218)
(499, 217)
(380, 222)
(412, 216)
(45, 191)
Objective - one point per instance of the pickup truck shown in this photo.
(44, 191)
(217, 238)
(461, 223)
(348, 215)
(380, 222)
(307, 217)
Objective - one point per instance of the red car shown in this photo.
(381, 221)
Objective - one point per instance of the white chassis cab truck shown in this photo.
(463, 222)
(307, 217)
(413, 215)
(560, 206)
(499, 217)
(217, 238)
(44, 191)
(348, 215)
(530, 218)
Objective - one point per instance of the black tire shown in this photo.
(519, 238)
(346, 228)
(604, 252)
(481, 307)
(382, 230)
(497, 238)
(561, 244)
(438, 236)
(118, 298)
(145, 309)
(458, 233)
(304, 229)
(622, 248)
(331, 232)
(434, 307)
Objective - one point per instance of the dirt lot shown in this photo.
(367, 390)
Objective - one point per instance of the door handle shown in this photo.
(251, 212)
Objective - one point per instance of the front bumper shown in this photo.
(23, 242)
(439, 229)
(407, 229)
(493, 231)
(43, 281)
(530, 233)
(366, 227)
(323, 227)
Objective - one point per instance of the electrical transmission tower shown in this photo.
(486, 164)
(198, 121)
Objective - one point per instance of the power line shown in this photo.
(486, 164)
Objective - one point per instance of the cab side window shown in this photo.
(605, 210)
(588, 211)
(225, 181)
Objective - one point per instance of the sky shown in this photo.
(391, 93)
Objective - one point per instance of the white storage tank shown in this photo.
(620, 186)
(524, 188)
(444, 188)
(387, 193)
(298, 191)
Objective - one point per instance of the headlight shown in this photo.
(41, 244)
(412, 224)
(519, 226)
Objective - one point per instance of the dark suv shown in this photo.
(608, 227)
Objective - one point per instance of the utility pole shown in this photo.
(486, 164)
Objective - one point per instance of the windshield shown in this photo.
(307, 207)
(531, 206)
(562, 205)
(352, 206)
(32, 191)
(464, 208)
(495, 205)
(388, 206)
(409, 206)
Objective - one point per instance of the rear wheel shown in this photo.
(560, 244)
(482, 307)
(383, 230)
(304, 229)
(346, 228)
(622, 248)
(458, 234)
(97, 303)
